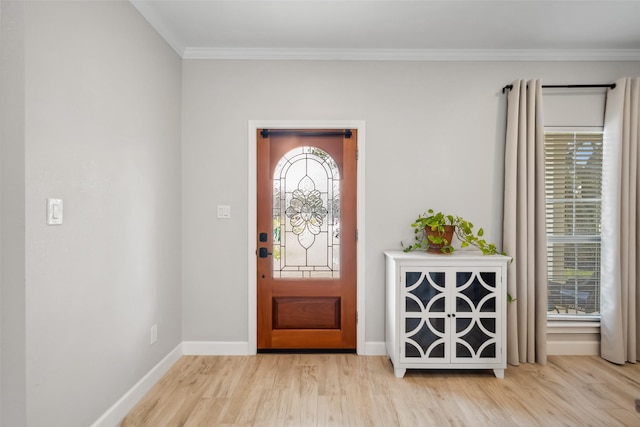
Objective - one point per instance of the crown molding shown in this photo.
(413, 54)
(148, 12)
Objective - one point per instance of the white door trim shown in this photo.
(254, 125)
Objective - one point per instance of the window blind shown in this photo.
(573, 188)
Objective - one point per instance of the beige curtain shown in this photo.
(524, 234)
(620, 261)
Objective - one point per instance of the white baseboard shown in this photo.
(215, 348)
(241, 348)
(374, 348)
(116, 413)
(573, 338)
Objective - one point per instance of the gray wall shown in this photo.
(434, 138)
(102, 108)
(12, 218)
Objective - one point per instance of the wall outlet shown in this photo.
(154, 333)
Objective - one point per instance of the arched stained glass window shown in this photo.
(306, 215)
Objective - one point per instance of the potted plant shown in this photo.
(434, 232)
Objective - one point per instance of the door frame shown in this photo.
(252, 292)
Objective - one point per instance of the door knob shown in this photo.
(263, 253)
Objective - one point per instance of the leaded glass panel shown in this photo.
(306, 215)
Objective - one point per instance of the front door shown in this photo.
(306, 258)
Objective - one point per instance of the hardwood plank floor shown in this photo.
(347, 390)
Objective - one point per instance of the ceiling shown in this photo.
(398, 29)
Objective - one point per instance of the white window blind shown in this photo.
(573, 187)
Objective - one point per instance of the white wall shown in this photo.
(12, 218)
(102, 108)
(434, 139)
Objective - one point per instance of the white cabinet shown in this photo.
(446, 311)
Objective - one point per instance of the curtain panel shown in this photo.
(620, 262)
(524, 232)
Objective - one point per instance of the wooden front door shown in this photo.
(306, 258)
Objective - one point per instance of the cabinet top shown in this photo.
(459, 255)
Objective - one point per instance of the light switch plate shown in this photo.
(54, 211)
(224, 211)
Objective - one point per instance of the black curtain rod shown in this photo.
(609, 85)
(265, 133)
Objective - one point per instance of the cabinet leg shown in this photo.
(499, 373)
(399, 372)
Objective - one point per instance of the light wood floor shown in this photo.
(348, 390)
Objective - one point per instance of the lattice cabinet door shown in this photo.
(425, 305)
(476, 325)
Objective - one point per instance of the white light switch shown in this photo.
(224, 211)
(54, 211)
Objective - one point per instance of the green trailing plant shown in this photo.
(437, 222)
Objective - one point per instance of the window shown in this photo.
(573, 187)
